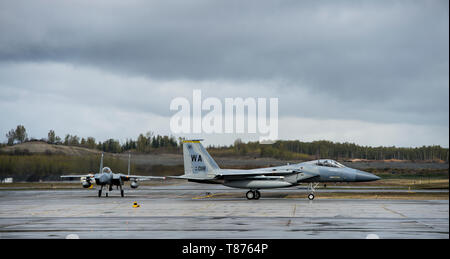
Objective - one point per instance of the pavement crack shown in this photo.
(293, 215)
(393, 211)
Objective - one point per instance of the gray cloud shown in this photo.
(375, 61)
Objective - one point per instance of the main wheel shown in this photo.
(99, 193)
(311, 196)
(257, 195)
(106, 195)
(121, 193)
(250, 195)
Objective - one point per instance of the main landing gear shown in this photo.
(253, 195)
(109, 189)
(121, 191)
(100, 191)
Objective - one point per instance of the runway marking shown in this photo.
(211, 195)
(203, 197)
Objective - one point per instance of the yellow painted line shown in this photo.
(191, 141)
(203, 197)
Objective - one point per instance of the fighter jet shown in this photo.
(200, 167)
(106, 177)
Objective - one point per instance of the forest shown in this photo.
(24, 165)
(282, 149)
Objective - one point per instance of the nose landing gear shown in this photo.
(253, 195)
(312, 189)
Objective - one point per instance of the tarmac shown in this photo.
(213, 211)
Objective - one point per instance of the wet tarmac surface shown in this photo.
(188, 211)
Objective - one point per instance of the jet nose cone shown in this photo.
(362, 176)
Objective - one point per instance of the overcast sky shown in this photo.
(369, 72)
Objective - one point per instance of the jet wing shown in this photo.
(139, 177)
(255, 172)
(264, 174)
(185, 177)
(240, 173)
(77, 176)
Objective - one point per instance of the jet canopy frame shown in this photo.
(329, 163)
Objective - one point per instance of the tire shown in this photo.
(311, 196)
(106, 194)
(250, 195)
(121, 193)
(257, 195)
(99, 193)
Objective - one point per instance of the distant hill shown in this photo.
(40, 147)
(36, 160)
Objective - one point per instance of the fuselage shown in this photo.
(105, 177)
(200, 167)
(307, 172)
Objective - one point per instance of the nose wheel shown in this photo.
(311, 196)
(253, 195)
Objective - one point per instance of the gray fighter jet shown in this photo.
(106, 177)
(200, 167)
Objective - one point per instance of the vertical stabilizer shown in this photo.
(129, 161)
(101, 165)
(197, 161)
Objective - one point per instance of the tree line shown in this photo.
(350, 151)
(144, 143)
(295, 149)
(283, 149)
(50, 168)
(18, 135)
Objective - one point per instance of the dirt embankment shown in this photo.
(163, 164)
(237, 161)
(39, 147)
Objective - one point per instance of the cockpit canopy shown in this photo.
(329, 163)
(106, 170)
